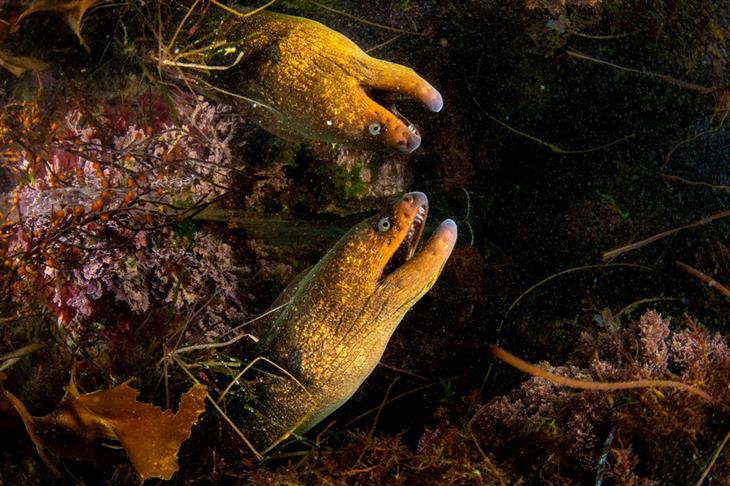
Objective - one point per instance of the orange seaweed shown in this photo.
(533, 370)
(83, 424)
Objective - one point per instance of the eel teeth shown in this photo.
(407, 248)
(420, 214)
(410, 126)
(418, 219)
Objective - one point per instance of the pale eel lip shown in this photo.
(431, 98)
(446, 233)
(411, 141)
(419, 90)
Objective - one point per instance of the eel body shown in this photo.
(335, 320)
(302, 80)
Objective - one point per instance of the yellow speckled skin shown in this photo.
(306, 81)
(341, 315)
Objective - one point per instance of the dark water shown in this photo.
(567, 132)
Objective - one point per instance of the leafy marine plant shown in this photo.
(556, 434)
(81, 423)
(97, 239)
(11, 18)
(94, 217)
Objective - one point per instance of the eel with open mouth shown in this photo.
(336, 319)
(302, 80)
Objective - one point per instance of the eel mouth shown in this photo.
(406, 136)
(418, 203)
(409, 126)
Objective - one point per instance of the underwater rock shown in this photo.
(373, 176)
(300, 80)
(330, 326)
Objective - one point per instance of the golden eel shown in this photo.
(340, 315)
(302, 80)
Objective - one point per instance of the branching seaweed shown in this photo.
(533, 370)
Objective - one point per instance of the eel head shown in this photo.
(305, 81)
(376, 127)
(387, 250)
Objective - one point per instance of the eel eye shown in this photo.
(384, 224)
(374, 129)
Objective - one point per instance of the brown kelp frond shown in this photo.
(365, 21)
(224, 368)
(533, 370)
(150, 437)
(9, 359)
(612, 254)
(705, 90)
(12, 414)
(72, 11)
(18, 65)
(706, 279)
